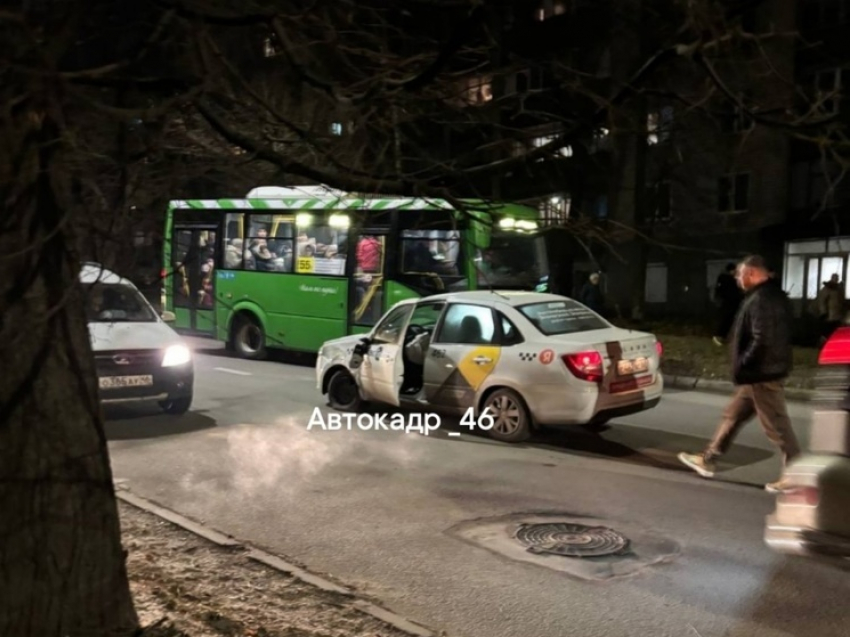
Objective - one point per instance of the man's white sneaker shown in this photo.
(698, 463)
(780, 486)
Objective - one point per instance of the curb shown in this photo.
(713, 386)
(279, 564)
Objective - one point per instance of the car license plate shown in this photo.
(636, 366)
(113, 382)
(630, 385)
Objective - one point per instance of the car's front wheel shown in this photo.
(511, 418)
(343, 393)
(176, 406)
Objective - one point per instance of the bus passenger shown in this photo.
(369, 254)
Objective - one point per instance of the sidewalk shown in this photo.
(186, 586)
(694, 362)
(715, 386)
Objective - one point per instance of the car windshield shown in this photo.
(112, 302)
(562, 317)
(512, 262)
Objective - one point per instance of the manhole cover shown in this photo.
(572, 540)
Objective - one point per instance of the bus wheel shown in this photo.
(249, 340)
(343, 393)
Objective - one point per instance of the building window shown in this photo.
(735, 120)
(524, 146)
(658, 125)
(818, 184)
(525, 80)
(816, 14)
(549, 9)
(478, 90)
(539, 142)
(600, 140)
(829, 85)
(554, 210)
(659, 201)
(271, 47)
(656, 283)
(600, 207)
(809, 263)
(733, 193)
(336, 128)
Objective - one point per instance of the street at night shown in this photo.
(394, 514)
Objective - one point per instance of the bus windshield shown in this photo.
(433, 254)
(512, 262)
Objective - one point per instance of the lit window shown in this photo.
(478, 90)
(658, 125)
(336, 128)
(270, 48)
(549, 9)
(555, 209)
(539, 142)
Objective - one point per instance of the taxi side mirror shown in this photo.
(169, 317)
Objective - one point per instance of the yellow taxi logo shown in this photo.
(476, 366)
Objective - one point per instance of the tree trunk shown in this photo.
(62, 567)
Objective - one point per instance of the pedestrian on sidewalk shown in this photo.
(830, 306)
(727, 296)
(591, 294)
(761, 361)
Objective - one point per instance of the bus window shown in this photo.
(320, 247)
(269, 249)
(512, 261)
(234, 246)
(434, 255)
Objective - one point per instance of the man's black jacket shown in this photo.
(761, 345)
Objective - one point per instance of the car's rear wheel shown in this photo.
(176, 406)
(249, 339)
(343, 393)
(511, 418)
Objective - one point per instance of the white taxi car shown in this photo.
(137, 355)
(527, 358)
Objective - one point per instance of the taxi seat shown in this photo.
(470, 330)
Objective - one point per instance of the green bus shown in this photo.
(294, 267)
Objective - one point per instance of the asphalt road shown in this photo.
(416, 522)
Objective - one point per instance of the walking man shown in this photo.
(761, 360)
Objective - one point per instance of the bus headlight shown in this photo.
(176, 355)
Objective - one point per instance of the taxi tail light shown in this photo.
(659, 349)
(585, 365)
(801, 496)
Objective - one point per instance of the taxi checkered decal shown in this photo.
(527, 356)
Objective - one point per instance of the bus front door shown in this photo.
(193, 278)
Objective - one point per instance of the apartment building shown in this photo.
(699, 168)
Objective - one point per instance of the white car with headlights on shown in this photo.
(527, 358)
(137, 355)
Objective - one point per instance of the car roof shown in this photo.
(96, 273)
(496, 297)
